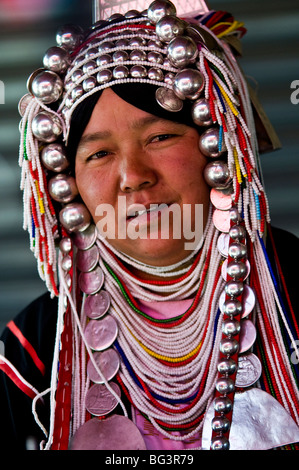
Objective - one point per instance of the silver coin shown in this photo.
(247, 335)
(97, 305)
(87, 259)
(248, 301)
(221, 220)
(100, 334)
(223, 243)
(99, 401)
(108, 363)
(220, 200)
(249, 370)
(23, 103)
(114, 433)
(168, 99)
(84, 240)
(91, 282)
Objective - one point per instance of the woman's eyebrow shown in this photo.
(138, 124)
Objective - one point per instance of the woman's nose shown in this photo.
(136, 173)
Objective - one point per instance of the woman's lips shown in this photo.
(140, 214)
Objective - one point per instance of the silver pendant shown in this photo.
(259, 422)
(114, 433)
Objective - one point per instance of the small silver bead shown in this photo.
(220, 443)
(91, 52)
(225, 385)
(155, 57)
(104, 76)
(137, 54)
(223, 405)
(236, 270)
(227, 366)
(155, 74)
(138, 71)
(120, 71)
(220, 424)
(235, 215)
(76, 75)
(231, 327)
(229, 346)
(104, 59)
(105, 46)
(66, 263)
(120, 56)
(232, 307)
(89, 67)
(77, 92)
(234, 288)
(237, 232)
(137, 42)
(89, 83)
(237, 250)
(65, 245)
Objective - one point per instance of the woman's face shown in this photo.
(129, 161)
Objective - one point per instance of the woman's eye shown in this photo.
(162, 137)
(98, 155)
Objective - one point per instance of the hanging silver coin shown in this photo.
(221, 220)
(168, 100)
(223, 243)
(97, 305)
(99, 401)
(247, 335)
(84, 240)
(101, 334)
(87, 259)
(91, 282)
(114, 433)
(108, 363)
(249, 370)
(248, 301)
(220, 200)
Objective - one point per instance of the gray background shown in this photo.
(271, 59)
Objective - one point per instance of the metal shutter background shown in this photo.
(270, 57)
